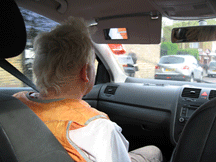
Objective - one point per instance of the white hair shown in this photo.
(61, 52)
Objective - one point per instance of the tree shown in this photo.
(167, 29)
(188, 51)
(168, 48)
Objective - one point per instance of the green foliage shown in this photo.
(188, 51)
(168, 48)
(167, 30)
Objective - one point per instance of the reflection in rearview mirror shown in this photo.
(115, 33)
(194, 34)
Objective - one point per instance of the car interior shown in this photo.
(176, 116)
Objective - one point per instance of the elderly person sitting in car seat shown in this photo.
(65, 72)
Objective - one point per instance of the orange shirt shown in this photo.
(62, 115)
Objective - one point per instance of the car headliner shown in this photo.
(59, 10)
(141, 18)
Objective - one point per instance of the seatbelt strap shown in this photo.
(15, 72)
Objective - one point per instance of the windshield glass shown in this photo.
(146, 59)
(135, 60)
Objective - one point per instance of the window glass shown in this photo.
(171, 60)
(194, 45)
(35, 23)
(142, 61)
(96, 66)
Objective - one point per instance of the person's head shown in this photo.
(63, 53)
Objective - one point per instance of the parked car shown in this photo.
(128, 64)
(211, 72)
(179, 67)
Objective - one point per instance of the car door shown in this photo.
(197, 69)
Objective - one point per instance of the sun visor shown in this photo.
(128, 30)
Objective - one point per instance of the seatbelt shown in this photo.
(15, 72)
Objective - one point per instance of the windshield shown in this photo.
(147, 59)
(135, 60)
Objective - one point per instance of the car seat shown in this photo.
(197, 142)
(23, 136)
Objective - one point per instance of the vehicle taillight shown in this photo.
(157, 67)
(125, 65)
(186, 67)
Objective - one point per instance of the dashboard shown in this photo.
(189, 100)
(152, 105)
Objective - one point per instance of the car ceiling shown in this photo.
(141, 18)
(59, 10)
(89, 10)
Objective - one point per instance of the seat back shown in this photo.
(23, 136)
(197, 142)
(12, 30)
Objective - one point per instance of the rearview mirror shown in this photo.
(194, 34)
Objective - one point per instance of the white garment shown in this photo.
(102, 140)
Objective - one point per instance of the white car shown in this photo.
(179, 67)
(212, 69)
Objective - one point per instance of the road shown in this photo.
(208, 79)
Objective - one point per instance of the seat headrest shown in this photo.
(12, 30)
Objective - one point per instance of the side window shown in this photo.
(35, 23)
(96, 66)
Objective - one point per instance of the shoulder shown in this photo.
(105, 124)
(98, 127)
(102, 125)
(101, 139)
(99, 112)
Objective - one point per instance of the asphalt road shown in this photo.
(208, 79)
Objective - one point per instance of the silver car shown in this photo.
(179, 67)
(212, 69)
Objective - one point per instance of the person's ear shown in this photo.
(84, 73)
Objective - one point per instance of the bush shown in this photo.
(168, 48)
(188, 51)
